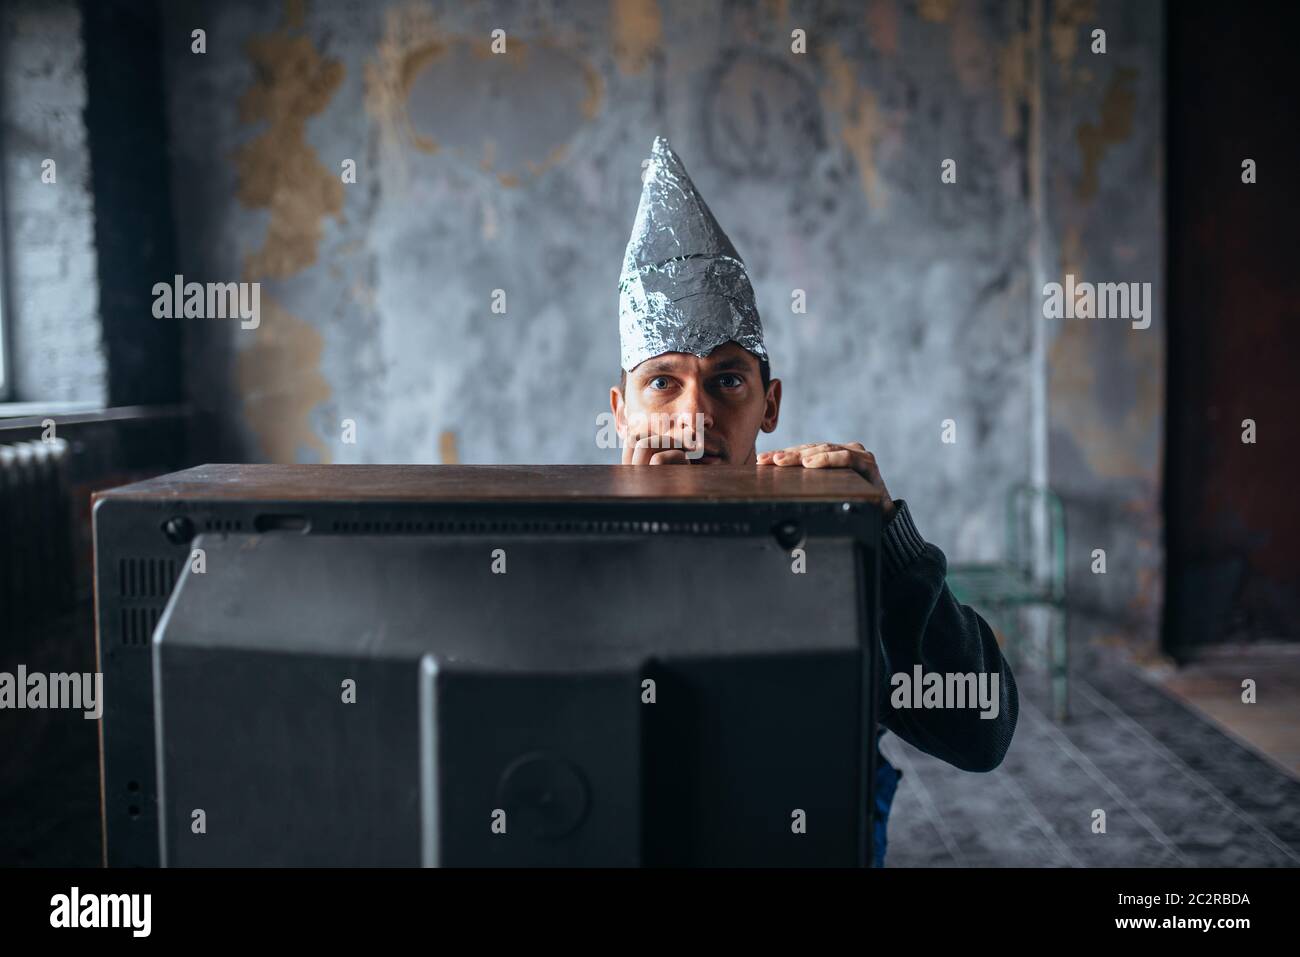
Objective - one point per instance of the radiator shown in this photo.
(36, 571)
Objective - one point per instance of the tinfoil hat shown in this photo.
(684, 287)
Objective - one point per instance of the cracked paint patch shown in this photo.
(1115, 125)
(447, 450)
(411, 41)
(279, 372)
(277, 169)
(281, 385)
(638, 33)
(1014, 81)
(861, 126)
(968, 50)
(1068, 16)
(1114, 446)
(882, 26)
(936, 11)
(509, 114)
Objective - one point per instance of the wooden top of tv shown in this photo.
(486, 483)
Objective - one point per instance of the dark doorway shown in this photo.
(1234, 327)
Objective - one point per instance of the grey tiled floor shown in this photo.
(1176, 791)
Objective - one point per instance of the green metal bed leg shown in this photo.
(1061, 666)
(1007, 616)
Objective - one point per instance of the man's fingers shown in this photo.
(670, 457)
(798, 455)
(630, 444)
(817, 448)
(829, 459)
(790, 448)
(657, 449)
(830, 455)
(786, 456)
(643, 451)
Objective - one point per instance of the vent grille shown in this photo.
(223, 525)
(138, 624)
(147, 577)
(584, 527)
(144, 585)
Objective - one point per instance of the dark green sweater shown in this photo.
(923, 623)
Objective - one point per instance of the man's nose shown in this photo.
(692, 402)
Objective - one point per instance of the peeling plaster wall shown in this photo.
(520, 172)
(1106, 380)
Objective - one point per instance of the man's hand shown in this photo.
(667, 448)
(828, 455)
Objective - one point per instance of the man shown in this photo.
(697, 389)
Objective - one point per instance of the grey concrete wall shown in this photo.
(56, 352)
(520, 172)
(1104, 190)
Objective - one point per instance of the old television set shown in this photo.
(488, 665)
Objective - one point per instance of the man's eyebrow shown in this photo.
(656, 368)
(733, 363)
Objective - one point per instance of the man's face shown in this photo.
(723, 392)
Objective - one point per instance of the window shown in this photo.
(4, 332)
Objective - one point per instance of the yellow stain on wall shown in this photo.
(278, 374)
(1145, 603)
(776, 10)
(553, 158)
(412, 43)
(1114, 126)
(1068, 16)
(882, 26)
(936, 11)
(277, 169)
(595, 91)
(1014, 80)
(447, 450)
(280, 382)
(969, 51)
(638, 31)
(1072, 256)
(860, 121)
(1113, 448)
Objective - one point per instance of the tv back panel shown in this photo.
(481, 690)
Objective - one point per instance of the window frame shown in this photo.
(6, 380)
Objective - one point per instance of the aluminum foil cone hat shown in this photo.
(683, 287)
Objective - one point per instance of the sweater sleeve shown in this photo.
(922, 622)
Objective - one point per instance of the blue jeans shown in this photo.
(887, 778)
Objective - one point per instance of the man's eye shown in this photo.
(730, 381)
(659, 378)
